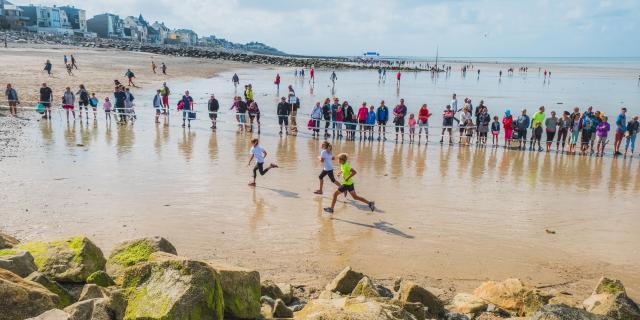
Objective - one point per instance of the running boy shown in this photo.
(347, 184)
(326, 157)
(259, 153)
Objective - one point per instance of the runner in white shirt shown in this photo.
(326, 157)
(259, 154)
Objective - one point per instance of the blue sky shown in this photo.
(483, 28)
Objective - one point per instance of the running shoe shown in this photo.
(372, 206)
(328, 210)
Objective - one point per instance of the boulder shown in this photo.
(64, 297)
(135, 251)
(17, 261)
(411, 292)
(512, 295)
(53, 314)
(7, 241)
(352, 308)
(564, 312)
(617, 306)
(100, 278)
(21, 298)
(240, 289)
(610, 286)
(467, 304)
(93, 291)
(365, 288)
(93, 309)
(70, 260)
(172, 287)
(345, 281)
(281, 311)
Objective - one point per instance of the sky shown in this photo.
(459, 28)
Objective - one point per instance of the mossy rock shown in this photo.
(135, 251)
(21, 298)
(172, 287)
(365, 288)
(610, 286)
(7, 241)
(241, 290)
(17, 261)
(70, 260)
(65, 298)
(100, 278)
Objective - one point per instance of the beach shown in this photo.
(448, 217)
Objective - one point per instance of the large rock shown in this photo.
(53, 314)
(135, 251)
(467, 304)
(345, 281)
(617, 306)
(241, 290)
(512, 295)
(277, 291)
(411, 292)
(93, 309)
(172, 287)
(21, 298)
(352, 308)
(564, 312)
(70, 260)
(65, 298)
(7, 241)
(19, 262)
(365, 288)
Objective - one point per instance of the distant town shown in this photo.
(72, 21)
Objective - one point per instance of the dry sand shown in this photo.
(452, 232)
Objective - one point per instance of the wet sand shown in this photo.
(447, 217)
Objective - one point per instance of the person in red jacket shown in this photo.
(363, 112)
(398, 78)
(423, 122)
(277, 82)
(507, 124)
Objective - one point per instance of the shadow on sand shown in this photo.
(381, 225)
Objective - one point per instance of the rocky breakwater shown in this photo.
(71, 279)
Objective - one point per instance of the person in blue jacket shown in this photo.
(382, 116)
(371, 121)
(522, 123)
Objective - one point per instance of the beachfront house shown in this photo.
(48, 20)
(77, 18)
(106, 25)
(182, 37)
(11, 16)
(136, 28)
(163, 31)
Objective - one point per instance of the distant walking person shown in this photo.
(277, 83)
(312, 74)
(259, 154)
(47, 67)
(130, 75)
(333, 79)
(153, 67)
(398, 76)
(73, 62)
(236, 80)
(164, 68)
(12, 100)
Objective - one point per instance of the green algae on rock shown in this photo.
(100, 278)
(172, 287)
(70, 260)
(241, 290)
(135, 251)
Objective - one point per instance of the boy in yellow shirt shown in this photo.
(347, 185)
